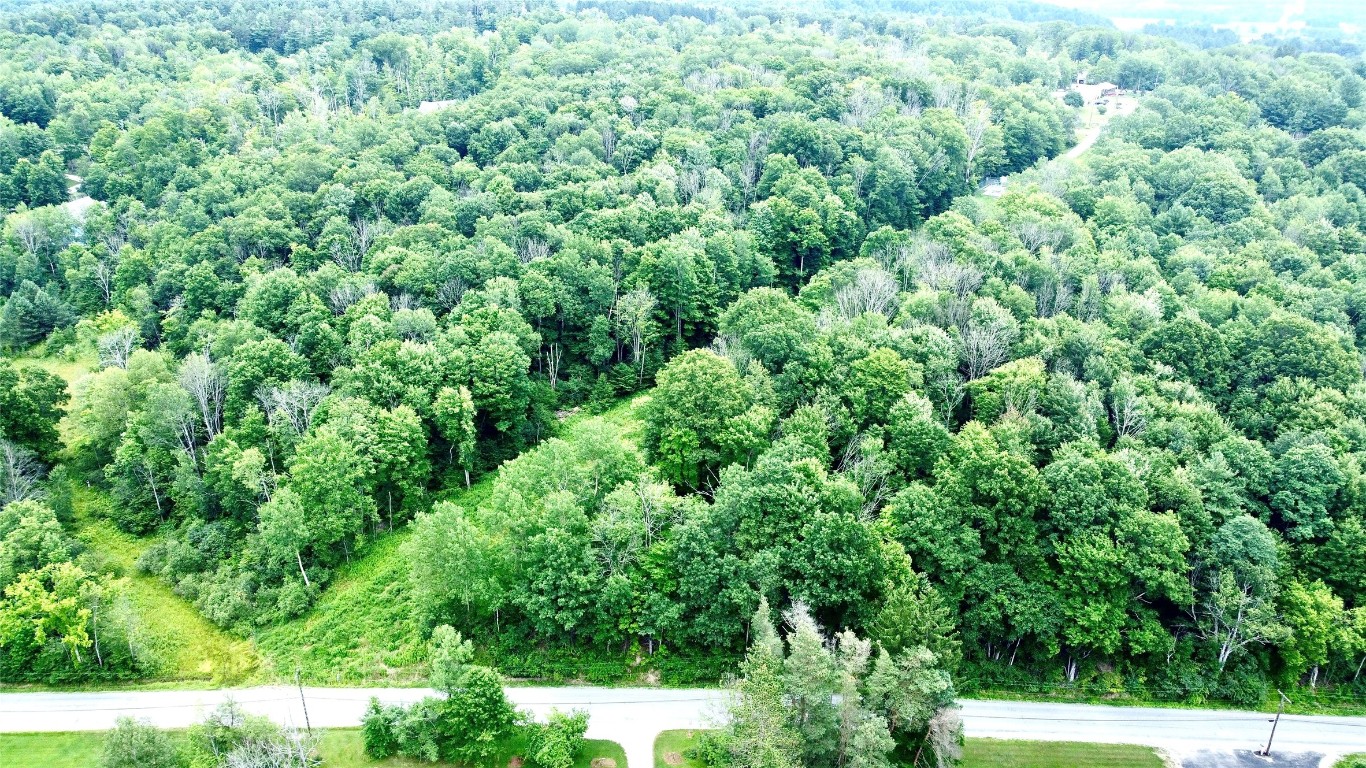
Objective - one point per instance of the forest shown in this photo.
(282, 280)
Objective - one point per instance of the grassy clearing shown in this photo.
(364, 629)
(339, 748)
(191, 648)
(994, 753)
(69, 369)
(671, 749)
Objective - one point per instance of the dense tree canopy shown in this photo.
(339, 260)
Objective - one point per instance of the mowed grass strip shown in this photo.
(338, 747)
(672, 748)
(996, 753)
(51, 750)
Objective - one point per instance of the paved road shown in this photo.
(1181, 732)
(629, 716)
(633, 716)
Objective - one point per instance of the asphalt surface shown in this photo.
(630, 716)
(634, 716)
(1245, 758)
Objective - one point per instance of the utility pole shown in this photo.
(1280, 708)
(299, 682)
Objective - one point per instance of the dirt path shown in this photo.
(1119, 105)
(1088, 140)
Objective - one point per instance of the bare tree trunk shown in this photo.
(300, 559)
(95, 630)
(156, 495)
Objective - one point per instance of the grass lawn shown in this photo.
(343, 748)
(993, 753)
(671, 749)
(340, 748)
(50, 750)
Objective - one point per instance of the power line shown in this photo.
(124, 709)
(563, 703)
(684, 699)
(1118, 719)
(1301, 719)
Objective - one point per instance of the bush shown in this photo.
(478, 718)
(137, 744)
(557, 743)
(377, 730)
(711, 748)
(231, 737)
(1243, 684)
(418, 730)
(469, 727)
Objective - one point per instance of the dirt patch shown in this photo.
(603, 762)
(516, 762)
(673, 758)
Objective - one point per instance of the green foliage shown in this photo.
(558, 743)
(702, 417)
(470, 726)
(134, 744)
(30, 404)
(30, 314)
(60, 620)
(450, 657)
(915, 615)
(1103, 414)
(822, 703)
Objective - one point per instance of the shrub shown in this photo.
(469, 727)
(557, 743)
(378, 730)
(137, 744)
